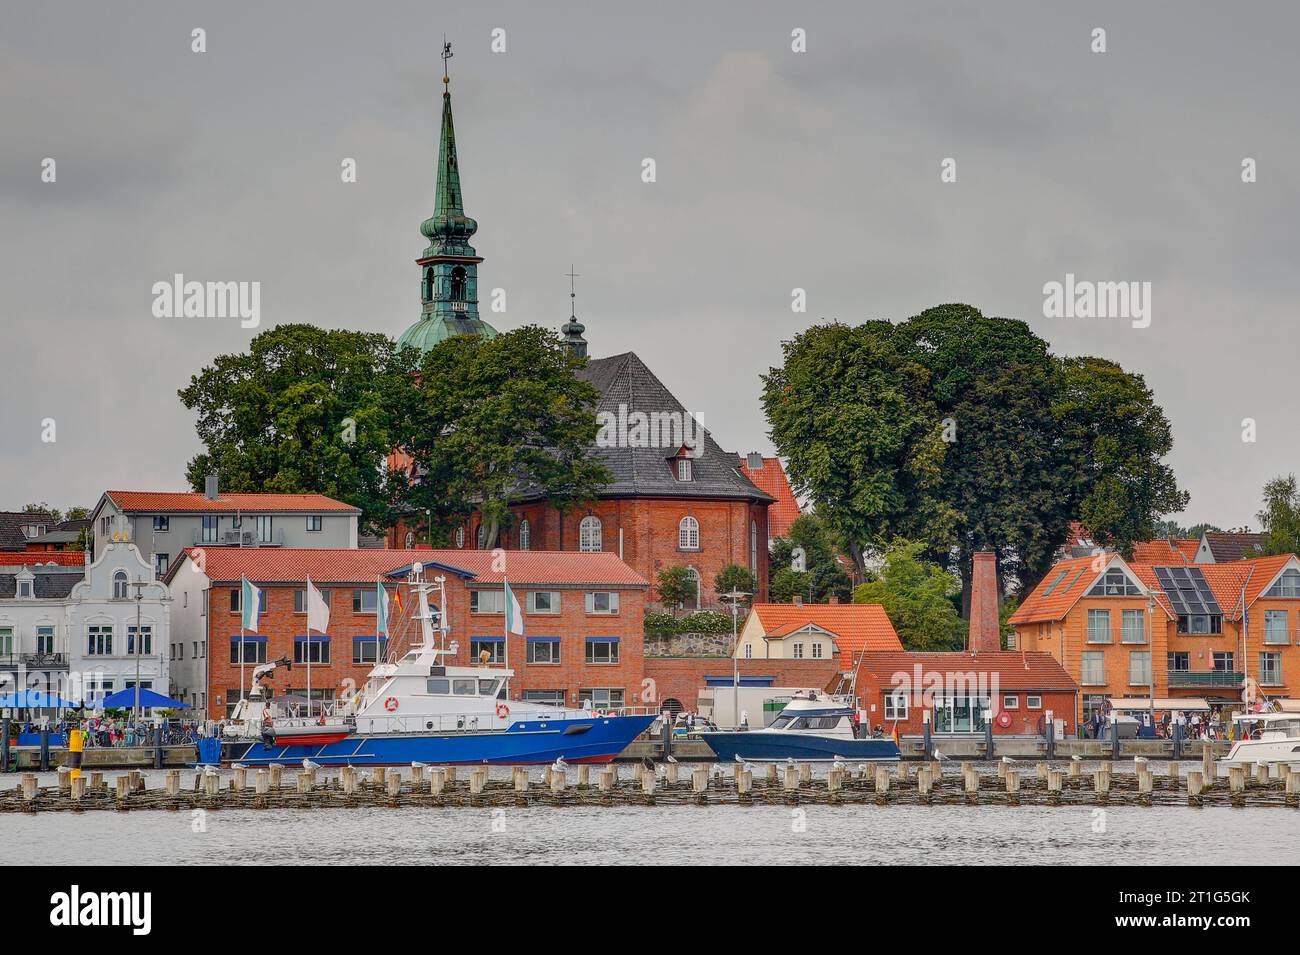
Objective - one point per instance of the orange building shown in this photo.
(1225, 633)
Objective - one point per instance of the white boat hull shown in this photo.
(1251, 751)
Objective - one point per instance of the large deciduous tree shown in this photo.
(305, 409)
(963, 433)
(852, 416)
(918, 597)
(488, 422)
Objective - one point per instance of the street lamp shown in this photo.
(733, 598)
(139, 586)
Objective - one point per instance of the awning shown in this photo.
(126, 699)
(1186, 704)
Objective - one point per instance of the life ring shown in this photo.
(1004, 719)
(502, 710)
(390, 704)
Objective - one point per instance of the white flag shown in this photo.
(318, 611)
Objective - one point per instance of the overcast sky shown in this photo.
(775, 170)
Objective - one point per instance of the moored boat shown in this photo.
(421, 708)
(810, 728)
(1272, 738)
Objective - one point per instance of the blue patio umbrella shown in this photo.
(35, 700)
(126, 699)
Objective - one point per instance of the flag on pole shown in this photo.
(381, 611)
(318, 611)
(514, 613)
(251, 605)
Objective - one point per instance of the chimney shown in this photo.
(754, 461)
(984, 624)
(833, 598)
(798, 600)
(210, 486)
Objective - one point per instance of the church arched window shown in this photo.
(753, 547)
(460, 537)
(458, 284)
(525, 534)
(589, 534)
(427, 295)
(688, 534)
(694, 576)
(481, 537)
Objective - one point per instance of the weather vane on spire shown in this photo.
(573, 292)
(446, 55)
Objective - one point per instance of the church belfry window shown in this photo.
(427, 293)
(458, 284)
(589, 535)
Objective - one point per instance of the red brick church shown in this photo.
(676, 499)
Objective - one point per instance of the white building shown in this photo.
(34, 626)
(107, 652)
(73, 630)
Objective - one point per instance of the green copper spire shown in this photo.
(449, 266)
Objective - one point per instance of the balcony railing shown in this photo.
(237, 538)
(12, 661)
(1205, 678)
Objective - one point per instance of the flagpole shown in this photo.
(505, 623)
(307, 649)
(243, 596)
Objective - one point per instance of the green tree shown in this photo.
(852, 416)
(676, 587)
(918, 596)
(305, 409)
(55, 515)
(1117, 436)
(807, 543)
(490, 421)
(736, 577)
(1280, 516)
(963, 433)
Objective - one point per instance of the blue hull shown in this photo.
(801, 747)
(585, 740)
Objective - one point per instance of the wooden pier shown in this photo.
(1131, 783)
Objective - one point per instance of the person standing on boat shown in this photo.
(744, 719)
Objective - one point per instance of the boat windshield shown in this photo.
(806, 722)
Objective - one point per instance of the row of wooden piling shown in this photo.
(670, 784)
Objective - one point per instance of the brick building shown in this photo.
(676, 498)
(1213, 632)
(583, 618)
(1018, 690)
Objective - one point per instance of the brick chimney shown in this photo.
(984, 624)
(798, 600)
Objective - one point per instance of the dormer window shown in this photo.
(683, 469)
(1115, 583)
(25, 588)
(32, 531)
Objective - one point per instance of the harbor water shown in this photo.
(668, 835)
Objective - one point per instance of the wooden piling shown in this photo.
(584, 775)
(670, 773)
(791, 782)
(1237, 779)
(172, 783)
(394, 785)
(648, 780)
(77, 788)
(123, 787)
(882, 779)
(606, 780)
(1101, 782)
(261, 782)
(971, 781)
(559, 779)
(29, 787)
(277, 774)
(1055, 781)
(437, 781)
(805, 773)
(238, 779)
(1043, 769)
(699, 779)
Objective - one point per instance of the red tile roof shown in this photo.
(856, 627)
(1162, 552)
(1225, 582)
(192, 501)
(341, 565)
(1013, 670)
(771, 478)
(1057, 592)
(30, 558)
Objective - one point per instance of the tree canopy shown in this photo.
(305, 409)
(1280, 516)
(919, 597)
(806, 543)
(964, 433)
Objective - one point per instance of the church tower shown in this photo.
(449, 265)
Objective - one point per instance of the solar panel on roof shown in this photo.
(1188, 590)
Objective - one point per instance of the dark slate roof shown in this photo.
(1229, 547)
(11, 527)
(645, 471)
(52, 583)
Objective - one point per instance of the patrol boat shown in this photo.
(811, 727)
(422, 708)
